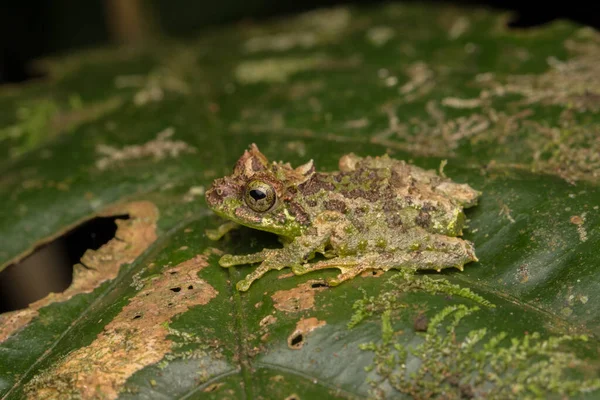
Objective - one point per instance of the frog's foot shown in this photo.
(263, 268)
(222, 230)
(445, 252)
(350, 267)
(229, 260)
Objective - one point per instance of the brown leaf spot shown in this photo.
(285, 276)
(579, 221)
(134, 339)
(576, 220)
(268, 320)
(421, 323)
(306, 325)
(299, 298)
(376, 273)
(213, 387)
(132, 237)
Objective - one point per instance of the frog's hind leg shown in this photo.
(354, 265)
(350, 267)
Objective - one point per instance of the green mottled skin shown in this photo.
(374, 213)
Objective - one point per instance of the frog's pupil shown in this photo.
(257, 194)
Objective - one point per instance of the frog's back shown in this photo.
(386, 193)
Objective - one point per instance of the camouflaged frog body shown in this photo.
(374, 213)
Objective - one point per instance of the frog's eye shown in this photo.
(260, 196)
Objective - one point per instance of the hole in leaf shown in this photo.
(137, 317)
(318, 285)
(297, 340)
(50, 267)
(190, 287)
(175, 289)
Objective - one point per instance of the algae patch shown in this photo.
(134, 339)
(574, 83)
(43, 119)
(442, 361)
(273, 70)
(157, 149)
(133, 236)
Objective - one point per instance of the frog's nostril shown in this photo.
(214, 196)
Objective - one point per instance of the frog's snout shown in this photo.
(213, 197)
(220, 190)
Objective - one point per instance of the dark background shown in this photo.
(30, 29)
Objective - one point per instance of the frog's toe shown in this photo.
(227, 261)
(299, 269)
(333, 281)
(213, 234)
(243, 285)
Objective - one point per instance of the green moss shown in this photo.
(525, 367)
(33, 126)
(404, 282)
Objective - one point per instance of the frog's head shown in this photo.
(262, 195)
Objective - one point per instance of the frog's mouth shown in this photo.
(248, 218)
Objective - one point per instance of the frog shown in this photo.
(373, 213)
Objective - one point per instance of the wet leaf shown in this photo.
(513, 113)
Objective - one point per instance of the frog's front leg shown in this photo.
(294, 254)
(229, 260)
(222, 230)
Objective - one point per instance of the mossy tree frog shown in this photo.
(375, 213)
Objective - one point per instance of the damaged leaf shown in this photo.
(133, 236)
(135, 338)
(512, 113)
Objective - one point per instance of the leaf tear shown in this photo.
(130, 342)
(306, 325)
(97, 266)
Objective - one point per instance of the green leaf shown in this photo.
(513, 113)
